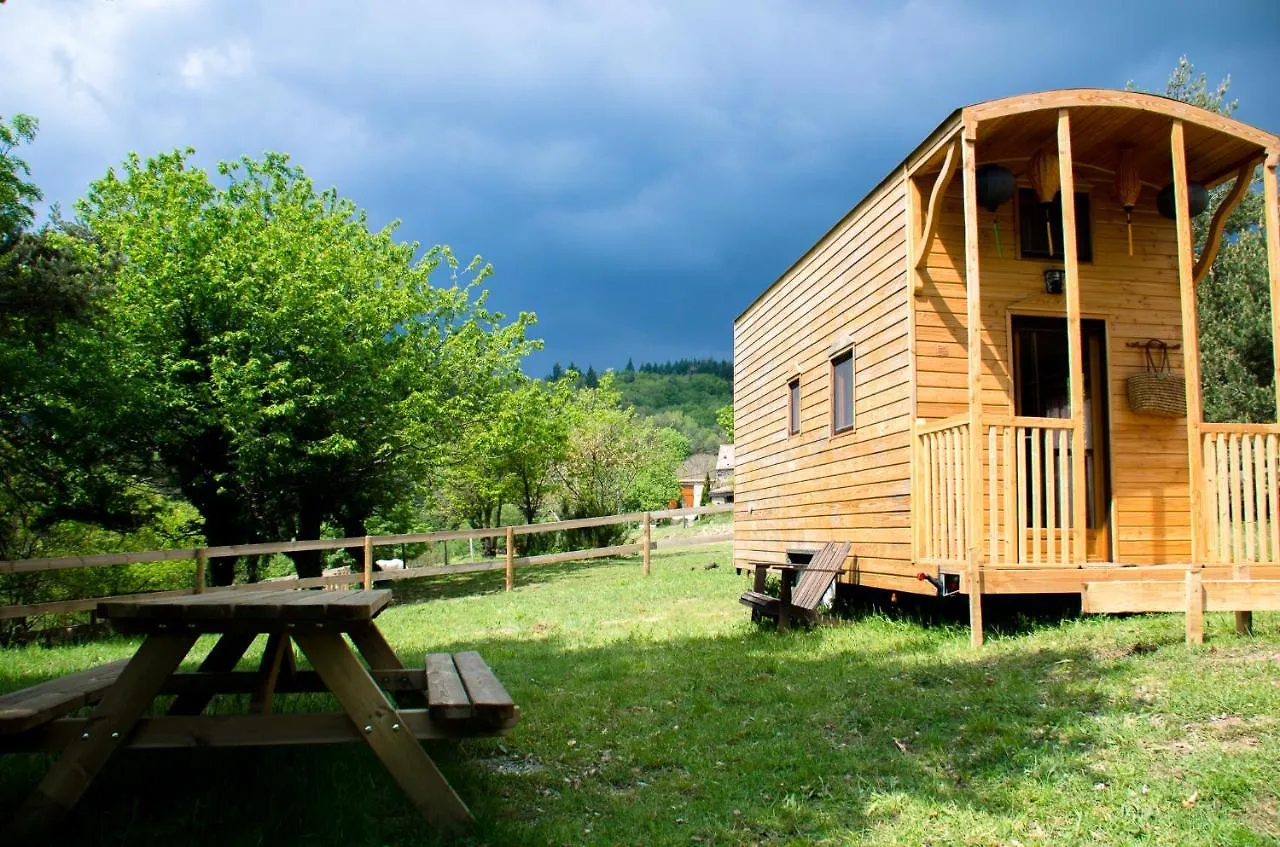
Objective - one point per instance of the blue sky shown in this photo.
(636, 172)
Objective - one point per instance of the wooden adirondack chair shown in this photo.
(802, 601)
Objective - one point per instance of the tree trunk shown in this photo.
(308, 563)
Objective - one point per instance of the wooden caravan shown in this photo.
(943, 379)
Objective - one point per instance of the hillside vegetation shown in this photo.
(683, 395)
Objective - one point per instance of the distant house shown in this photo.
(693, 474)
(722, 488)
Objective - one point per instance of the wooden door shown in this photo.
(1041, 389)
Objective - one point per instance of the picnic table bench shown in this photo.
(387, 705)
(797, 598)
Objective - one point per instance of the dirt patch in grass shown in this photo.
(1262, 815)
(1229, 733)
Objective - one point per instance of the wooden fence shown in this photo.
(200, 557)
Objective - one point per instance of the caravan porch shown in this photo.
(1030, 517)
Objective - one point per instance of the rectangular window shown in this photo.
(793, 406)
(1039, 241)
(842, 392)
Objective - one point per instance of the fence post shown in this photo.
(511, 560)
(1195, 606)
(368, 562)
(202, 562)
(648, 522)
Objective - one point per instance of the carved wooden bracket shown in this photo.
(1213, 242)
(934, 215)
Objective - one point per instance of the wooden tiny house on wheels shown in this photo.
(944, 379)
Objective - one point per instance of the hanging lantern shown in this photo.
(1197, 200)
(995, 187)
(1128, 187)
(1043, 174)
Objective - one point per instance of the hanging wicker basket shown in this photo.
(1157, 391)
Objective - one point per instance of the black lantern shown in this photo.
(1197, 200)
(1054, 279)
(996, 185)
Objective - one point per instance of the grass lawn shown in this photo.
(656, 713)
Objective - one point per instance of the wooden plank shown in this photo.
(1273, 493)
(648, 542)
(21, 710)
(1248, 496)
(1075, 354)
(489, 698)
(224, 656)
(103, 560)
(510, 559)
(381, 725)
(273, 661)
(284, 606)
(202, 564)
(1190, 340)
(1271, 203)
(446, 695)
(1249, 595)
(1195, 606)
(1237, 494)
(79, 764)
(367, 580)
(973, 349)
(1121, 596)
(166, 733)
(1223, 529)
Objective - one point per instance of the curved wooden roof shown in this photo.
(1012, 129)
(1104, 121)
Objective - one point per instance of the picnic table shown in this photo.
(387, 705)
(795, 598)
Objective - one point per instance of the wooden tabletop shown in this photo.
(216, 607)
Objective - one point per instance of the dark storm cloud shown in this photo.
(637, 172)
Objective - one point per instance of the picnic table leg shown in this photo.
(784, 603)
(228, 650)
(273, 662)
(373, 646)
(105, 731)
(382, 727)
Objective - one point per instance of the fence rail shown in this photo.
(200, 555)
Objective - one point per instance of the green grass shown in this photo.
(654, 712)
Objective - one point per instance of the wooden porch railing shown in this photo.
(942, 501)
(1241, 495)
(1029, 492)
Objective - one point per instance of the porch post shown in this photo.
(973, 316)
(1244, 620)
(1269, 192)
(1190, 344)
(1075, 356)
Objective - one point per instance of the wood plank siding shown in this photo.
(801, 491)
(1137, 297)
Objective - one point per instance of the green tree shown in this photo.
(534, 427)
(290, 367)
(17, 193)
(724, 420)
(1234, 300)
(615, 460)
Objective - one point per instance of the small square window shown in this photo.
(842, 392)
(793, 406)
(1035, 236)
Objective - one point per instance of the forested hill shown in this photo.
(683, 395)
